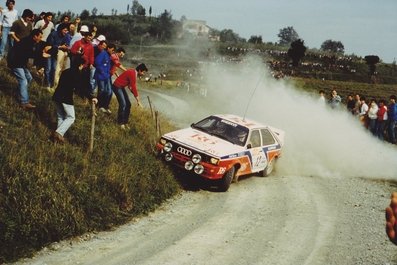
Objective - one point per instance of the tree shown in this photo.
(372, 60)
(94, 11)
(333, 46)
(227, 35)
(162, 27)
(287, 35)
(85, 14)
(128, 8)
(137, 9)
(150, 11)
(255, 39)
(297, 51)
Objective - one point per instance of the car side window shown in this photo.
(255, 139)
(267, 137)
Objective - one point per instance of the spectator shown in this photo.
(115, 58)
(63, 97)
(350, 104)
(357, 104)
(372, 116)
(22, 27)
(83, 48)
(60, 45)
(127, 78)
(363, 112)
(335, 99)
(382, 119)
(17, 60)
(64, 20)
(45, 25)
(102, 77)
(7, 18)
(392, 119)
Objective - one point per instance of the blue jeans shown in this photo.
(5, 39)
(391, 131)
(65, 117)
(104, 93)
(124, 105)
(24, 78)
(49, 70)
(380, 128)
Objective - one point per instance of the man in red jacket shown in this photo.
(127, 78)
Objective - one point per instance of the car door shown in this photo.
(258, 157)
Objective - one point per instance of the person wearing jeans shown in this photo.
(63, 97)
(24, 77)
(7, 17)
(127, 78)
(17, 60)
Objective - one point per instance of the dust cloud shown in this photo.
(320, 141)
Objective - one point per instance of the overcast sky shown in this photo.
(363, 26)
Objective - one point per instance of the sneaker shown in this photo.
(108, 111)
(123, 127)
(103, 110)
(28, 106)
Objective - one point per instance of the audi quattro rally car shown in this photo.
(222, 148)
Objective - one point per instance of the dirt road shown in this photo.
(275, 220)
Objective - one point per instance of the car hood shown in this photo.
(204, 142)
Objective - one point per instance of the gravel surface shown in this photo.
(275, 220)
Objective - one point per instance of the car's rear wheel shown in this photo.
(226, 180)
(269, 168)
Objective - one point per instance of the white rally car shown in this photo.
(222, 148)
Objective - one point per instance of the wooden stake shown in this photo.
(93, 115)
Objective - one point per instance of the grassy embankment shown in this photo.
(50, 192)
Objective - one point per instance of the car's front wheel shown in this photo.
(226, 180)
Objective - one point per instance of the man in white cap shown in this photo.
(84, 49)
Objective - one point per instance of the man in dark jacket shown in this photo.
(17, 60)
(69, 82)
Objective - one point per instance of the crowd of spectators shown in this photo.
(378, 116)
(72, 58)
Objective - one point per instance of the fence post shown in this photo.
(93, 115)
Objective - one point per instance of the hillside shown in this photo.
(50, 192)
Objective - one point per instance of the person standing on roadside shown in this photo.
(7, 17)
(382, 119)
(17, 60)
(335, 99)
(63, 97)
(127, 78)
(392, 118)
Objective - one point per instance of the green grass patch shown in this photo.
(51, 192)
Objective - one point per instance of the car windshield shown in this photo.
(223, 129)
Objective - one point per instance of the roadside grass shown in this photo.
(51, 192)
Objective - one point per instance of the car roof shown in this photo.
(251, 124)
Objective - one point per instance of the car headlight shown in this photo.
(196, 158)
(214, 161)
(168, 157)
(163, 141)
(189, 165)
(198, 169)
(168, 147)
